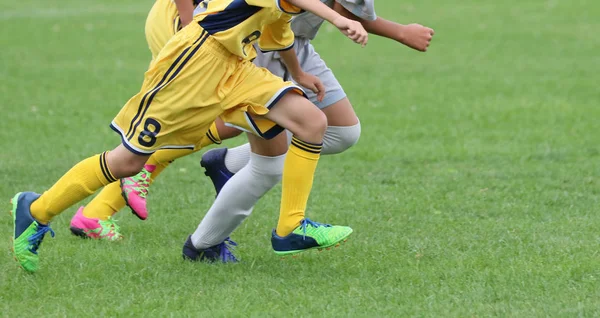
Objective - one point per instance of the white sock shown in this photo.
(237, 198)
(236, 158)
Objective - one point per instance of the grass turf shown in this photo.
(473, 191)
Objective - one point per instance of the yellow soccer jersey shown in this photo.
(236, 24)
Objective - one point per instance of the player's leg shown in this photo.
(236, 201)
(296, 233)
(307, 124)
(33, 212)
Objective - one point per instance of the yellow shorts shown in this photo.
(162, 23)
(192, 81)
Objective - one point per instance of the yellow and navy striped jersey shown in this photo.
(237, 24)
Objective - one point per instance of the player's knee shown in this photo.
(123, 163)
(314, 124)
(131, 168)
(340, 138)
(127, 167)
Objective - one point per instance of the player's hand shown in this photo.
(416, 36)
(311, 82)
(352, 29)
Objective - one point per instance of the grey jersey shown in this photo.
(306, 25)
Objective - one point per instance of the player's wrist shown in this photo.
(400, 34)
(340, 22)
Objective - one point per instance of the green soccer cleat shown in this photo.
(28, 233)
(309, 235)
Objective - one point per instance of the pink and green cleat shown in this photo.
(135, 189)
(85, 227)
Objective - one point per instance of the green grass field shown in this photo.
(473, 192)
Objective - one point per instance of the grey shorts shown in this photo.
(311, 63)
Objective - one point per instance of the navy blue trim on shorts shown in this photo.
(276, 129)
(287, 48)
(126, 145)
(178, 147)
(269, 134)
(130, 148)
(282, 93)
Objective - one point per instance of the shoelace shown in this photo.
(314, 224)
(225, 254)
(36, 239)
(141, 183)
(111, 223)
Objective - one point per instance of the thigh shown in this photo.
(341, 114)
(256, 92)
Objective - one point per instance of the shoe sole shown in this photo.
(79, 232)
(127, 202)
(294, 253)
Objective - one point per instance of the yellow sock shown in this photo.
(211, 137)
(109, 201)
(78, 183)
(298, 173)
(106, 203)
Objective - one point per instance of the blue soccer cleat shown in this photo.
(219, 253)
(28, 233)
(213, 162)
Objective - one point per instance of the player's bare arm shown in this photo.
(308, 81)
(414, 35)
(352, 29)
(186, 11)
